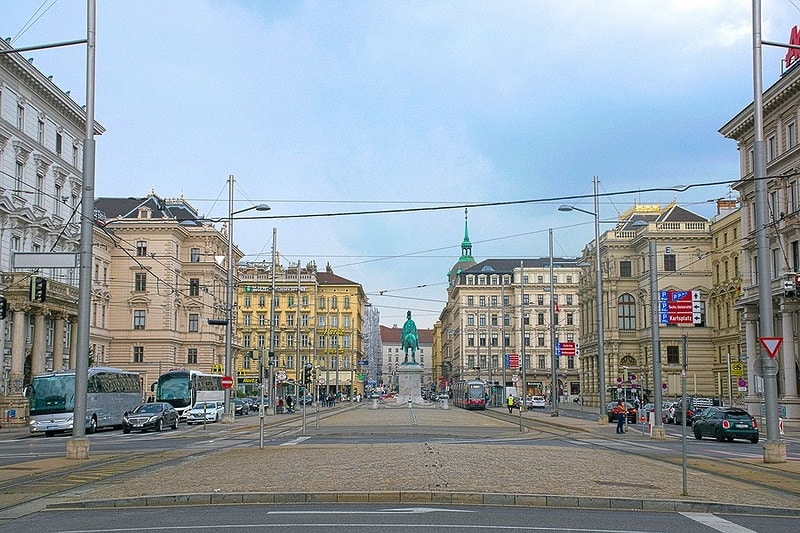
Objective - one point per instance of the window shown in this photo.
(482, 301)
(262, 300)
(347, 302)
(334, 302)
(194, 255)
(570, 319)
(772, 148)
(470, 319)
(247, 319)
(140, 282)
(289, 301)
(40, 130)
(470, 301)
(141, 248)
(321, 303)
(673, 355)
(248, 301)
(39, 198)
(569, 299)
(191, 356)
(569, 278)
(19, 174)
(625, 270)
(59, 142)
(670, 263)
(139, 319)
(21, 117)
(541, 359)
(540, 339)
(470, 339)
(540, 299)
(289, 320)
(194, 286)
(540, 319)
(791, 135)
(138, 354)
(262, 319)
(626, 309)
(194, 322)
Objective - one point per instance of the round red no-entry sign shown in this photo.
(227, 382)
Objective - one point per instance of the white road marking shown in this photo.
(298, 440)
(715, 522)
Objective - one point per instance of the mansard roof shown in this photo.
(159, 208)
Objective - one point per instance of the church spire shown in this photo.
(466, 246)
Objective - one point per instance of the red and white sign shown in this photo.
(771, 345)
(227, 382)
(567, 348)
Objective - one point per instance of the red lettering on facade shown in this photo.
(792, 53)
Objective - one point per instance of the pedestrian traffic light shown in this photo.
(38, 289)
(307, 373)
(3, 308)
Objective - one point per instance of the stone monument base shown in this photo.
(409, 383)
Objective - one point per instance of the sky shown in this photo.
(325, 109)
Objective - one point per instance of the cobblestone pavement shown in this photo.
(438, 465)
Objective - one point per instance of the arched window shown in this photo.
(626, 312)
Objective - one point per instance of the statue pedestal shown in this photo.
(409, 380)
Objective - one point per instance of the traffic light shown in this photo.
(797, 285)
(791, 285)
(38, 289)
(307, 373)
(3, 308)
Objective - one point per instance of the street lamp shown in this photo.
(228, 416)
(598, 286)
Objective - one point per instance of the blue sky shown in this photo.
(338, 106)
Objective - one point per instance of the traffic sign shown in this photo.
(227, 382)
(321, 381)
(771, 344)
(280, 375)
(737, 368)
(679, 307)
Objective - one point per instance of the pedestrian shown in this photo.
(510, 403)
(620, 412)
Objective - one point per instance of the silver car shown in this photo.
(203, 412)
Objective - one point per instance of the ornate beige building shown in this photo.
(781, 110)
(682, 242)
(503, 324)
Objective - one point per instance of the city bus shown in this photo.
(183, 388)
(469, 394)
(110, 392)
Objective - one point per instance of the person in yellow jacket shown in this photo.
(510, 403)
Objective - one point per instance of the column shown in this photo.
(788, 366)
(750, 317)
(18, 351)
(58, 341)
(73, 340)
(38, 344)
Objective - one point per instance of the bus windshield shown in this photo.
(52, 394)
(174, 389)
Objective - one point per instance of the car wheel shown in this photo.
(697, 433)
(126, 431)
(175, 424)
(754, 440)
(159, 424)
(729, 439)
(719, 435)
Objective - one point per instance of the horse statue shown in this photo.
(409, 339)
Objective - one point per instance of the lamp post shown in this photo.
(598, 287)
(228, 416)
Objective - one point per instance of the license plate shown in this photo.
(741, 425)
(51, 427)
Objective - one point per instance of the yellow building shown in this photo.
(318, 320)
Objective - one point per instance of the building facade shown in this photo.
(682, 242)
(41, 158)
(781, 112)
(506, 322)
(319, 319)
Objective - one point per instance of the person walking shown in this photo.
(620, 412)
(510, 403)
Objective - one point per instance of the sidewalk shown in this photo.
(457, 470)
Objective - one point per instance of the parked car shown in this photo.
(240, 406)
(693, 407)
(155, 416)
(725, 423)
(629, 406)
(205, 412)
(537, 402)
